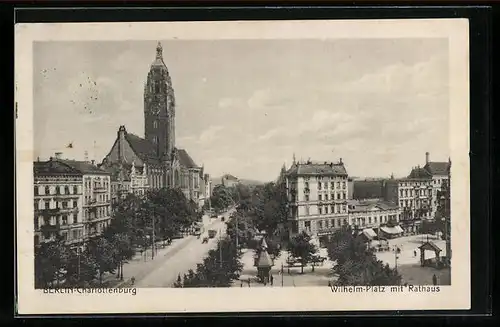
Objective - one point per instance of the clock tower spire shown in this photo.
(159, 107)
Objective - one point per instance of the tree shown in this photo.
(214, 272)
(51, 259)
(178, 283)
(301, 247)
(102, 254)
(221, 198)
(81, 270)
(356, 264)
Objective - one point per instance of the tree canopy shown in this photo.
(356, 264)
(301, 248)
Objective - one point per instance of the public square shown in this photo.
(408, 266)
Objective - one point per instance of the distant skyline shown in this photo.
(245, 106)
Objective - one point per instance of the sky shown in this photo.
(244, 107)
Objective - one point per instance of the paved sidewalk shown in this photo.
(140, 265)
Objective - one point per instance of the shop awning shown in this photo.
(392, 230)
(370, 233)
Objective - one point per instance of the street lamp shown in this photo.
(397, 251)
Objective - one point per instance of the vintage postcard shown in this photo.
(242, 166)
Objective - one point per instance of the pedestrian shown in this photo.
(241, 284)
(248, 282)
(272, 280)
(132, 280)
(414, 253)
(434, 280)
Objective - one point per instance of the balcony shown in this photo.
(48, 212)
(60, 196)
(100, 189)
(68, 210)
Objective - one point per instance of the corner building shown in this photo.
(317, 195)
(71, 199)
(156, 153)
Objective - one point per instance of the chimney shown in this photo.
(427, 154)
(58, 155)
(92, 162)
(340, 161)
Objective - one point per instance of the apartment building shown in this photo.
(57, 202)
(71, 199)
(317, 194)
(417, 194)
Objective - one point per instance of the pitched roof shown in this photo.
(437, 168)
(264, 260)
(230, 177)
(142, 147)
(419, 173)
(334, 169)
(366, 205)
(185, 159)
(53, 167)
(84, 167)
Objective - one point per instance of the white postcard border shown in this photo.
(456, 296)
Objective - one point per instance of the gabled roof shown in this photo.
(437, 168)
(332, 169)
(185, 159)
(429, 245)
(142, 147)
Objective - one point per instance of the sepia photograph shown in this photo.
(179, 158)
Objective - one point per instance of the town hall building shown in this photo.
(156, 155)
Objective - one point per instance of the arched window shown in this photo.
(47, 190)
(157, 87)
(155, 124)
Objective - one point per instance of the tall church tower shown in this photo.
(159, 108)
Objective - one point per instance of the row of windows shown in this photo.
(340, 196)
(55, 220)
(411, 203)
(326, 177)
(97, 213)
(375, 220)
(333, 209)
(327, 223)
(57, 204)
(99, 198)
(411, 193)
(99, 182)
(73, 235)
(333, 185)
(55, 190)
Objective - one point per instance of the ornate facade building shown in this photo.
(71, 199)
(417, 194)
(127, 179)
(317, 197)
(156, 155)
